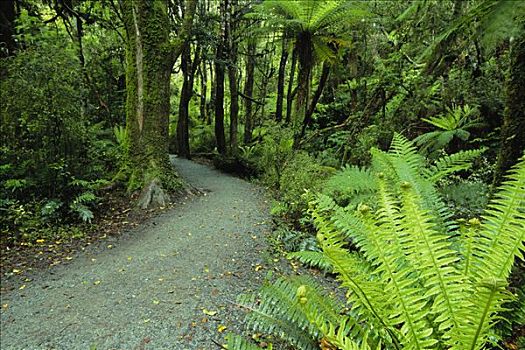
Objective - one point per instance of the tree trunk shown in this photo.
(211, 102)
(233, 80)
(248, 92)
(149, 59)
(204, 91)
(234, 107)
(513, 129)
(311, 108)
(219, 85)
(280, 81)
(183, 137)
(290, 94)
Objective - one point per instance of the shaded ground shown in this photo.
(167, 285)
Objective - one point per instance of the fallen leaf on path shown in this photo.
(96, 283)
(5, 306)
(22, 286)
(221, 328)
(156, 302)
(209, 312)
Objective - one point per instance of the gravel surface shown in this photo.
(167, 285)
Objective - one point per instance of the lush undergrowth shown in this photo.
(358, 116)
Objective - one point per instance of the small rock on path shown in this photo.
(169, 285)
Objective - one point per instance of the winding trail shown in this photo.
(167, 285)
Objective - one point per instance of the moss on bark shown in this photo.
(149, 62)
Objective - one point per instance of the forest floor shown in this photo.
(169, 283)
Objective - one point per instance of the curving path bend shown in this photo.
(168, 285)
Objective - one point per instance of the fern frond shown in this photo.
(452, 163)
(277, 311)
(502, 236)
(480, 314)
(312, 258)
(405, 149)
(442, 281)
(351, 180)
(236, 342)
(336, 11)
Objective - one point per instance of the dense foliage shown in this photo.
(305, 97)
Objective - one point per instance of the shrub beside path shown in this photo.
(168, 284)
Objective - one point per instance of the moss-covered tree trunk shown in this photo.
(513, 130)
(149, 60)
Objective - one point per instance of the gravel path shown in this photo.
(167, 285)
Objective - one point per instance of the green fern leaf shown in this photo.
(312, 258)
(236, 342)
(453, 163)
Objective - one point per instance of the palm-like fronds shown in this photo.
(454, 124)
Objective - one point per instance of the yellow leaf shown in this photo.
(147, 320)
(69, 258)
(156, 302)
(209, 312)
(110, 246)
(130, 258)
(5, 306)
(96, 283)
(22, 286)
(221, 328)
(40, 241)
(16, 271)
(258, 267)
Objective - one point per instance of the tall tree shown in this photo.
(248, 91)
(220, 58)
(233, 75)
(280, 80)
(290, 91)
(150, 56)
(188, 67)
